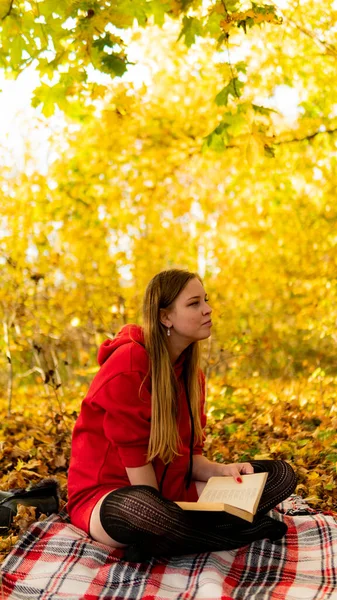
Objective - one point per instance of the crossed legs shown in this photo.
(150, 525)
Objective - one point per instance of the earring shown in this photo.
(168, 331)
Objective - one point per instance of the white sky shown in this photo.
(17, 120)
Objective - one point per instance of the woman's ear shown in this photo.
(164, 318)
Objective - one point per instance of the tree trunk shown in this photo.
(10, 369)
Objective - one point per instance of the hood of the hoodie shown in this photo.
(128, 333)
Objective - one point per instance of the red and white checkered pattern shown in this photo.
(54, 560)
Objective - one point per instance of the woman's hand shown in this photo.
(203, 469)
(236, 469)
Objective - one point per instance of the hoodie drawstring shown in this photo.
(162, 478)
(188, 476)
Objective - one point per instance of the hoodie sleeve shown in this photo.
(199, 447)
(127, 420)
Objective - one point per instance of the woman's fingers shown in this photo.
(247, 468)
(236, 469)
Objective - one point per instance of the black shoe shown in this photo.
(136, 554)
(6, 518)
(43, 495)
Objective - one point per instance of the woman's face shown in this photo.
(190, 315)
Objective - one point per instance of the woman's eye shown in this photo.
(193, 303)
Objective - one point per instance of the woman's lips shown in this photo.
(208, 323)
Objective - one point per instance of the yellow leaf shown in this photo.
(20, 465)
(262, 456)
(254, 149)
(26, 444)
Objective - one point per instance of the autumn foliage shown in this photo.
(191, 134)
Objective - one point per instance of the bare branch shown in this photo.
(10, 368)
(305, 137)
(42, 28)
(224, 5)
(228, 53)
(273, 142)
(33, 370)
(329, 48)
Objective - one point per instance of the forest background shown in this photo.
(178, 133)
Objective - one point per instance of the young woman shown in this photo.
(137, 443)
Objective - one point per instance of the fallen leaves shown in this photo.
(258, 420)
(25, 517)
(278, 419)
(6, 544)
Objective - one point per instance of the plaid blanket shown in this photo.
(54, 560)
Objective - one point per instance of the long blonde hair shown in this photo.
(161, 292)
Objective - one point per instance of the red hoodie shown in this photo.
(113, 429)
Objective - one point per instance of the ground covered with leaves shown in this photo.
(294, 420)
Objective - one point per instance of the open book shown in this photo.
(224, 493)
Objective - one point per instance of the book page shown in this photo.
(225, 489)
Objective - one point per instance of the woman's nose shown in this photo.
(207, 310)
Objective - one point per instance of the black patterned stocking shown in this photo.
(154, 526)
